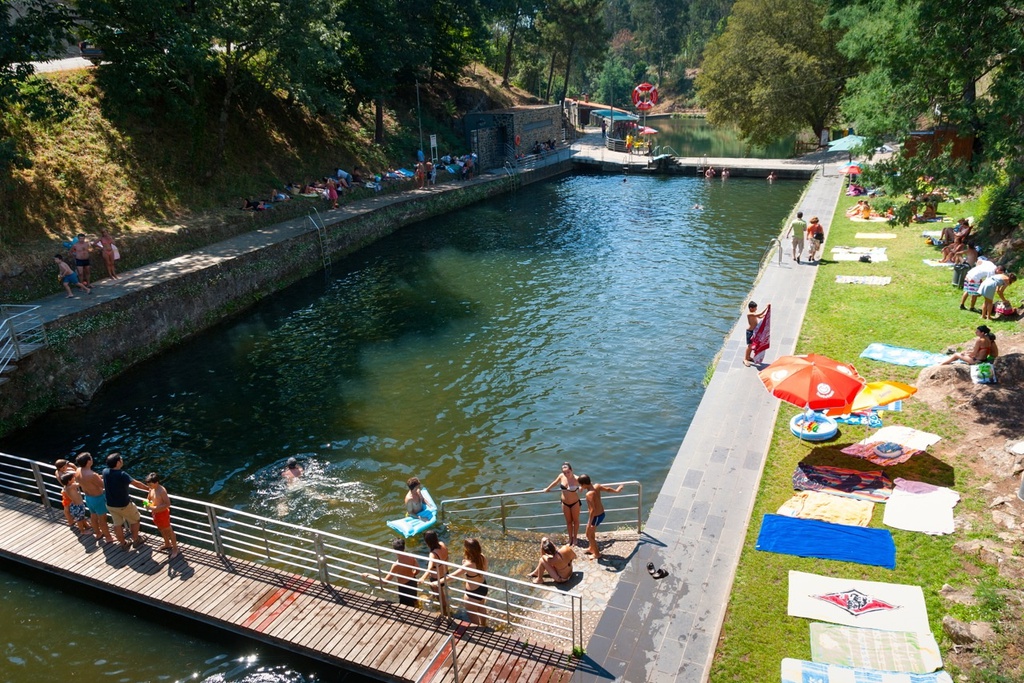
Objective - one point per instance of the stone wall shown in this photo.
(92, 346)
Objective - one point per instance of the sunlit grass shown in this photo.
(919, 309)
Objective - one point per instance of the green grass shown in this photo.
(919, 309)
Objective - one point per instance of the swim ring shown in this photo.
(815, 427)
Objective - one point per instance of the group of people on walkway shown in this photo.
(80, 249)
(800, 232)
(89, 497)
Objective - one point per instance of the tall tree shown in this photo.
(930, 62)
(658, 26)
(34, 30)
(774, 70)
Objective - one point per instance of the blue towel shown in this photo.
(812, 538)
(405, 172)
(900, 356)
(869, 420)
(800, 671)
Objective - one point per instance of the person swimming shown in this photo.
(292, 471)
(414, 502)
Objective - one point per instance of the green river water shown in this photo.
(571, 320)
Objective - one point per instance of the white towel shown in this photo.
(907, 437)
(916, 506)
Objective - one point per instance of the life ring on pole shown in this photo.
(645, 96)
(518, 141)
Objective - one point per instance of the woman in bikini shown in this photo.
(984, 346)
(566, 481)
(436, 572)
(557, 562)
(473, 564)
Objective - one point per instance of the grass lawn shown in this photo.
(918, 309)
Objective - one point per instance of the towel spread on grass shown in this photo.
(866, 451)
(858, 250)
(800, 671)
(842, 542)
(828, 508)
(875, 236)
(898, 355)
(862, 280)
(908, 437)
(936, 264)
(869, 648)
(874, 486)
(872, 219)
(870, 419)
(854, 602)
(876, 254)
(917, 506)
(931, 233)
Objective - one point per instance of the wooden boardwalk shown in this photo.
(348, 629)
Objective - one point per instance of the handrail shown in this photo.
(329, 557)
(21, 332)
(773, 241)
(504, 517)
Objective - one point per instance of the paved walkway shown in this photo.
(667, 630)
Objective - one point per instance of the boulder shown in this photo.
(970, 634)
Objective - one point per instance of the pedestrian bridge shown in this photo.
(308, 591)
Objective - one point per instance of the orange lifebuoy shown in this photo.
(645, 96)
(517, 141)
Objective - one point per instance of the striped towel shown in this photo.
(799, 671)
(905, 651)
(862, 280)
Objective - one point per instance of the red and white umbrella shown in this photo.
(812, 382)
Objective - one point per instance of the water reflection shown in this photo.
(695, 137)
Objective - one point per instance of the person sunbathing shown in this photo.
(555, 562)
(983, 349)
(856, 209)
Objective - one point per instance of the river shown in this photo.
(571, 320)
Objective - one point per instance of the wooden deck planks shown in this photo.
(347, 628)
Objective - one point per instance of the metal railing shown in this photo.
(773, 242)
(330, 558)
(321, 234)
(509, 511)
(21, 332)
(665, 149)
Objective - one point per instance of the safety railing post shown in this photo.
(455, 659)
(508, 607)
(639, 507)
(211, 515)
(41, 486)
(12, 333)
(266, 541)
(504, 531)
(321, 561)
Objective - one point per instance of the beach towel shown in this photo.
(875, 236)
(828, 508)
(872, 219)
(405, 172)
(841, 481)
(869, 648)
(825, 541)
(936, 264)
(932, 234)
(762, 336)
(921, 507)
(866, 451)
(453, 169)
(905, 436)
(859, 603)
(862, 280)
(869, 419)
(876, 254)
(800, 671)
(898, 355)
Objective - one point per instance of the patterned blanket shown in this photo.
(872, 486)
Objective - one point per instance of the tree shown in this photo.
(658, 24)
(614, 82)
(932, 63)
(36, 30)
(774, 70)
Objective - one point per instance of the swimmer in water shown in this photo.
(698, 207)
(293, 471)
(414, 502)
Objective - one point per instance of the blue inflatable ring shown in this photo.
(821, 428)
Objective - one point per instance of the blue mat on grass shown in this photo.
(813, 538)
(800, 671)
(898, 355)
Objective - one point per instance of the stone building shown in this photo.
(500, 134)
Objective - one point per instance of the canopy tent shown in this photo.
(846, 144)
(614, 115)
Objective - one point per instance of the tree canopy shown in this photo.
(774, 70)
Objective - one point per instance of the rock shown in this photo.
(1004, 519)
(982, 631)
(999, 461)
(1004, 500)
(1012, 569)
(958, 631)
(960, 597)
(1009, 369)
(1015, 448)
(990, 487)
(944, 376)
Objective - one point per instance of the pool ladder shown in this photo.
(776, 242)
(321, 233)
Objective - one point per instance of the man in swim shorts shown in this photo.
(797, 229)
(122, 510)
(753, 317)
(92, 489)
(595, 511)
(80, 250)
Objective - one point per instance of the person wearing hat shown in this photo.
(293, 471)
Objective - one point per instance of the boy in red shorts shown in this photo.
(159, 503)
